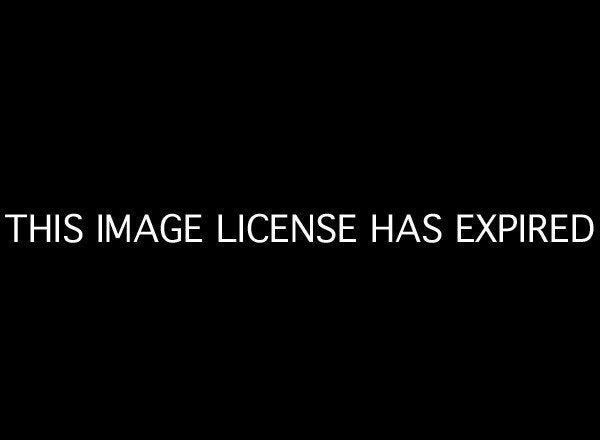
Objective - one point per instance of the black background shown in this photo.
(386, 112)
